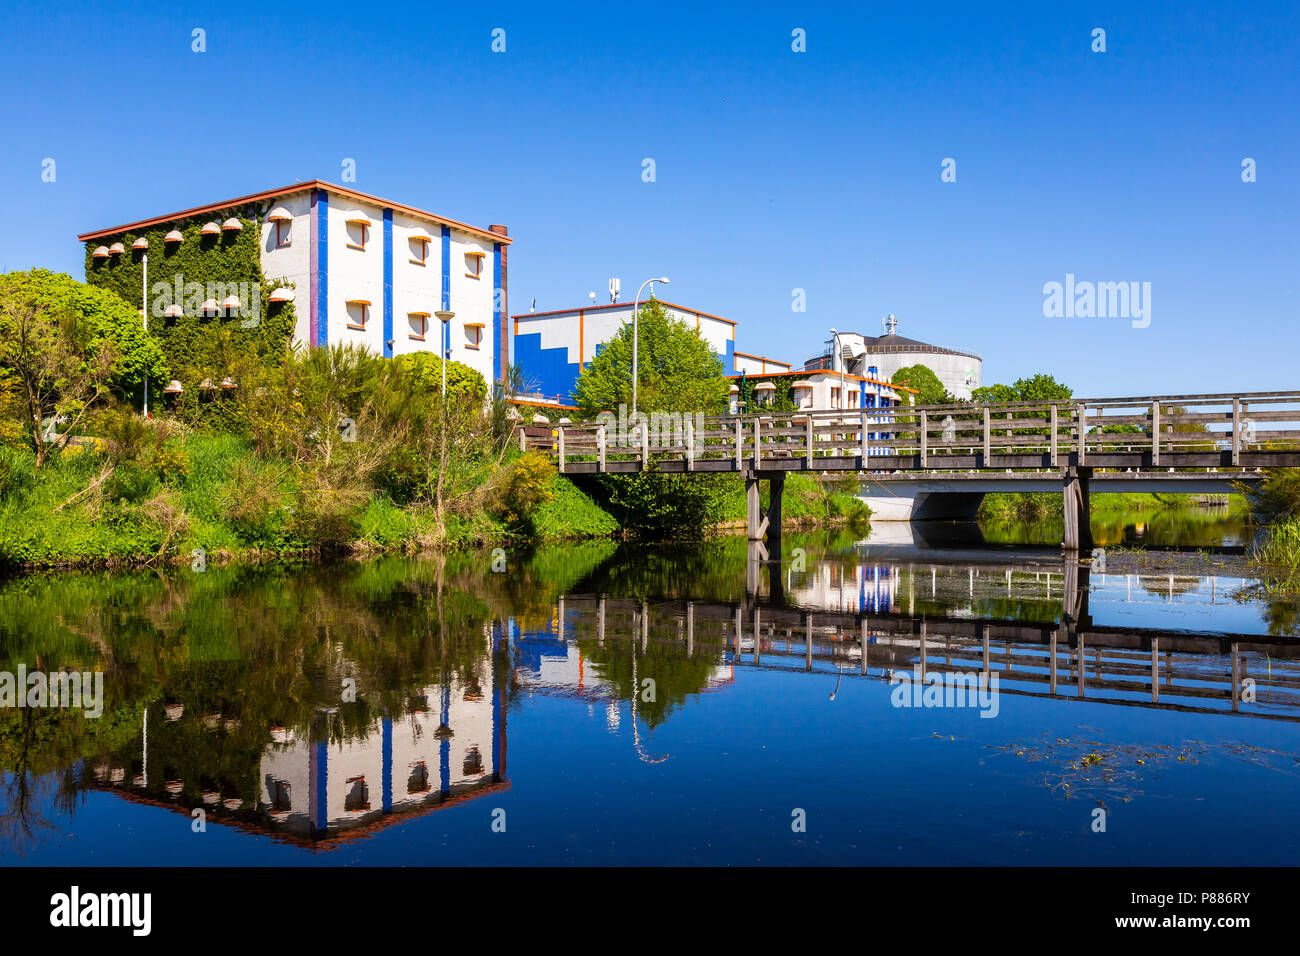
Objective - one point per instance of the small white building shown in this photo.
(880, 356)
(362, 270)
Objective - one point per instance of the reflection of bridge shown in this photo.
(1222, 435)
(1069, 659)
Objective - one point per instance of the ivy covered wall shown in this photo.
(782, 398)
(200, 346)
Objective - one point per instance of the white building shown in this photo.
(363, 270)
(880, 356)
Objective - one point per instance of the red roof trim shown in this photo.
(289, 190)
(620, 305)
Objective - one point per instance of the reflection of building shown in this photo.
(549, 660)
(864, 588)
(449, 746)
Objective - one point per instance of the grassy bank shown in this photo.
(192, 492)
(213, 492)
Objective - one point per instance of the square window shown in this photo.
(358, 234)
(282, 232)
(358, 315)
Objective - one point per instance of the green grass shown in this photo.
(570, 514)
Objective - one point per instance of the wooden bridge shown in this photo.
(1223, 438)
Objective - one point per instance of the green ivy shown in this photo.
(198, 346)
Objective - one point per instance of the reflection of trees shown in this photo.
(27, 797)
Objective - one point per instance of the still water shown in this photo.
(598, 703)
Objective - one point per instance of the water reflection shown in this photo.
(318, 705)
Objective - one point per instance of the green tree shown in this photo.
(678, 371)
(105, 321)
(922, 378)
(1038, 388)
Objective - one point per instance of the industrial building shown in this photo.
(959, 371)
(553, 347)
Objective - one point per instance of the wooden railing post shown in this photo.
(600, 447)
(1053, 438)
(561, 434)
(740, 446)
(690, 443)
(758, 444)
(1083, 432)
(1236, 431)
(863, 441)
(645, 445)
(988, 439)
(811, 438)
(523, 439)
(925, 439)
(1155, 433)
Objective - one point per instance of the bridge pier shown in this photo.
(764, 526)
(1078, 530)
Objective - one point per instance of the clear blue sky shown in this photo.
(775, 170)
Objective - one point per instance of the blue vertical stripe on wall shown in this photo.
(499, 344)
(446, 289)
(388, 283)
(444, 746)
(386, 748)
(322, 783)
(322, 267)
(446, 268)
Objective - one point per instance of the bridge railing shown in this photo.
(1185, 430)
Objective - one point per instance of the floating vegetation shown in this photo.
(1081, 767)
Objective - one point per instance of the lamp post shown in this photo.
(445, 318)
(144, 315)
(635, 301)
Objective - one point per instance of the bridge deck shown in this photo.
(1223, 431)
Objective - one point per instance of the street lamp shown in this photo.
(664, 280)
(445, 318)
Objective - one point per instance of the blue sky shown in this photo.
(775, 170)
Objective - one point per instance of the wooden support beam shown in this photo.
(752, 505)
(925, 439)
(1053, 426)
(1155, 433)
(1155, 670)
(1083, 433)
(775, 491)
(1236, 431)
(1078, 533)
(988, 439)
